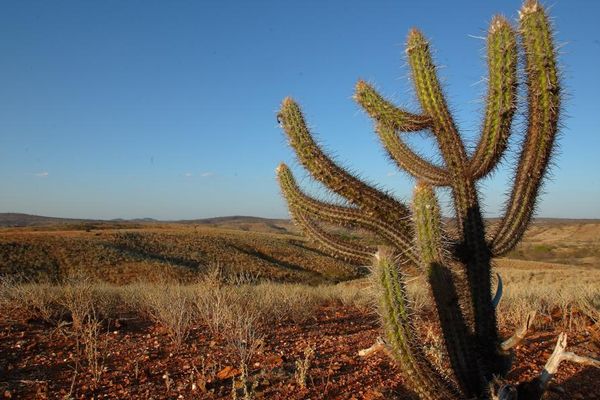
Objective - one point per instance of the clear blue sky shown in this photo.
(166, 109)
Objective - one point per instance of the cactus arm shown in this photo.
(408, 160)
(345, 216)
(376, 203)
(432, 100)
(390, 121)
(381, 109)
(429, 240)
(501, 101)
(404, 346)
(542, 125)
(335, 246)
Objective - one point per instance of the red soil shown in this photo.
(38, 361)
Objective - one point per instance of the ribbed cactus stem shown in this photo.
(332, 244)
(432, 100)
(323, 169)
(404, 345)
(543, 97)
(428, 225)
(382, 110)
(345, 216)
(408, 160)
(501, 99)
(458, 341)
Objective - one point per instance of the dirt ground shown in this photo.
(38, 361)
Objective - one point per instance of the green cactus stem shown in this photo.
(427, 219)
(501, 100)
(400, 333)
(345, 216)
(543, 95)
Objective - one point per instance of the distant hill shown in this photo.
(18, 219)
(238, 222)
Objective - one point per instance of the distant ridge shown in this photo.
(25, 220)
(19, 219)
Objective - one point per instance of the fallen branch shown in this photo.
(520, 333)
(378, 346)
(559, 355)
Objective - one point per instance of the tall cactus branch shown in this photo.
(478, 358)
(501, 101)
(429, 239)
(474, 252)
(543, 97)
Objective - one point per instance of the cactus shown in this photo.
(457, 264)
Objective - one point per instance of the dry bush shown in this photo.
(303, 366)
(77, 297)
(33, 300)
(82, 299)
(93, 347)
(169, 305)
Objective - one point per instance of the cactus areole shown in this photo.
(456, 263)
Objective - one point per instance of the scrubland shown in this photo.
(211, 313)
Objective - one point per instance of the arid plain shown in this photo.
(243, 307)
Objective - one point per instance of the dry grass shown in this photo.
(224, 304)
(551, 289)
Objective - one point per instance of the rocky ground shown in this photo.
(136, 360)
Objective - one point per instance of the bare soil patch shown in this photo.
(39, 361)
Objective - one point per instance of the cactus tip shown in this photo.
(529, 7)
(287, 102)
(498, 22)
(361, 86)
(415, 39)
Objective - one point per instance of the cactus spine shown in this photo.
(469, 327)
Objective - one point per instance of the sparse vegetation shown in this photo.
(181, 253)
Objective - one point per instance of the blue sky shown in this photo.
(163, 109)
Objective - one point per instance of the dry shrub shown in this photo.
(83, 299)
(303, 366)
(169, 305)
(33, 300)
(77, 298)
